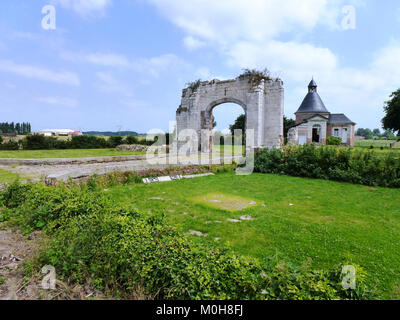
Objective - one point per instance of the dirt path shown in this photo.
(15, 284)
(14, 250)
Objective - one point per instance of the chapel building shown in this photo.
(314, 123)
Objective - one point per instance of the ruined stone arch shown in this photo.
(263, 106)
(209, 114)
(226, 100)
(217, 103)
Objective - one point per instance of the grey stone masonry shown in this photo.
(263, 105)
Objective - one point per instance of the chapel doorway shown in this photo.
(316, 134)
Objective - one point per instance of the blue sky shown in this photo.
(121, 65)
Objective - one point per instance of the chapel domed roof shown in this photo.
(312, 103)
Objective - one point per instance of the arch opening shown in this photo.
(225, 118)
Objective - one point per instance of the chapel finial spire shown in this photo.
(312, 87)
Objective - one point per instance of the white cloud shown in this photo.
(33, 72)
(156, 65)
(386, 63)
(84, 7)
(25, 35)
(10, 85)
(108, 60)
(61, 101)
(100, 59)
(192, 43)
(292, 58)
(359, 93)
(108, 83)
(135, 104)
(152, 66)
(205, 73)
(225, 21)
(106, 78)
(250, 36)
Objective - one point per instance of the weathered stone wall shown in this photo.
(327, 130)
(350, 132)
(293, 136)
(132, 147)
(262, 104)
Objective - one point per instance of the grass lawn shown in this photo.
(7, 176)
(295, 219)
(379, 151)
(374, 143)
(68, 153)
(376, 149)
(236, 150)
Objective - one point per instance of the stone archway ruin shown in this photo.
(263, 105)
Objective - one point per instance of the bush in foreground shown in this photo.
(333, 141)
(123, 251)
(339, 164)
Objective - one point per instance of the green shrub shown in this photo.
(146, 142)
(126, 250)
(15, 194)
(10, 145)
(333, 141)
(41, 142)
(344, 164)
(132, 140)
(88, 142)
(122, 250)
(115, 141)
(256, 76)
(36, 142)
(194, 85)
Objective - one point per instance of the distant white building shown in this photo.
(60, 132)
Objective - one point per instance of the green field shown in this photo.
(236, 150)
(20, 137)
(374, 143)
(295, 219)
(68, 153)
(377, 149)
(7, 176)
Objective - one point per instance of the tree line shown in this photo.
(41, 142)
(390, 122)
(17, 128)
(369, 134)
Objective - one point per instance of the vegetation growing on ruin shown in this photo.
(194, 85)
(256, 76)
